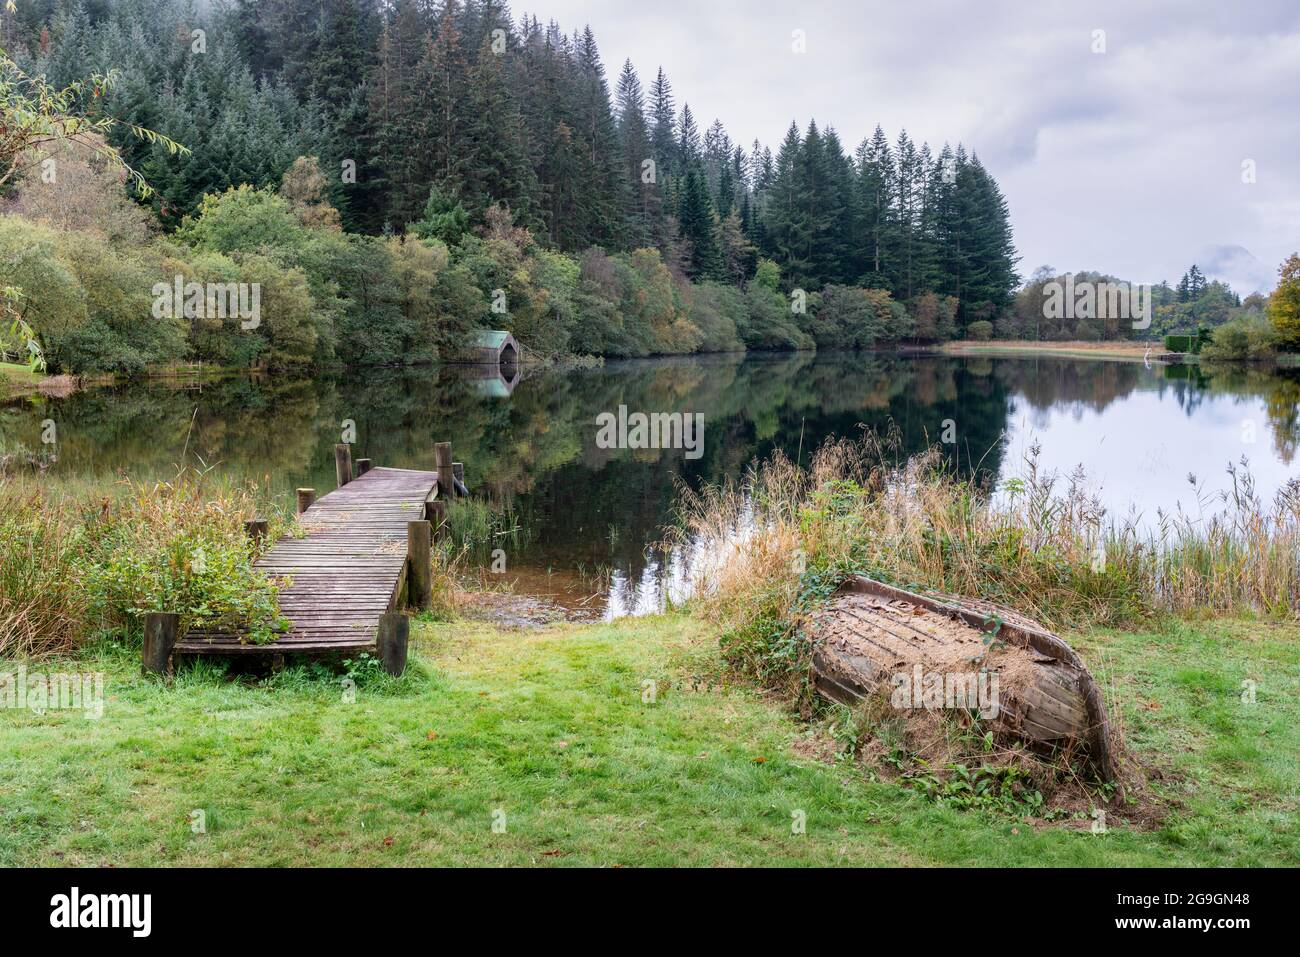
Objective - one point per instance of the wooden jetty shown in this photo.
(366, 556)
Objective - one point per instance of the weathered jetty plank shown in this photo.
(346, 573)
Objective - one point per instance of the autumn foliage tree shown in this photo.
(1284, 304)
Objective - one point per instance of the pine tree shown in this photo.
(698, 228)
(837, 209)
(688, 141)
(738, 254)
(495, 166)
(663, 126)
(607, 193)
(716, 154)
(634, 135)
(447, 109)
(400, 102)
(988, 249)
(875, 185)
(908, 178)
(786, 231)
(943, 217)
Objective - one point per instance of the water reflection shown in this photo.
(592, 512)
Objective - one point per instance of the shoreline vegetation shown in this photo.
(1126, 350)
(539, 720)
(679, 241)
(551, 728)
(367, 216)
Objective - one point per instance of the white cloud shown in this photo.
(1128, 162)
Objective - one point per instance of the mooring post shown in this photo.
(306, 496)
(257, 530)
(343, 463)
(363, 466)
(394, 634)
(435, 513)
(159, 639)
(419, 564)
(446, 470)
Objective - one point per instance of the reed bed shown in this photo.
(74, 566)
(784, 534)
(770, 548)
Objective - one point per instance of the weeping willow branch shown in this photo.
(35, 116)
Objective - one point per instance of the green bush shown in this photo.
(69, 574)
(1248, 338)
(717, 310)
(88, 302)
(770, 322)
(980, 331)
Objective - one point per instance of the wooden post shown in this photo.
(394, 634)
(363, 466)
(458, 474)
(442, 455)
(343, 463)
(257, 530)
(419, 564)
(435, 513)
(306, 496)
(159, 639)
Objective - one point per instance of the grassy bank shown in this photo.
(1130, 351)
(16, 380)
(1038, 543)
(551, 727)
(81, 563)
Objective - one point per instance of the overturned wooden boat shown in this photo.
(943, 651)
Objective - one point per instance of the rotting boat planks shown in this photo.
(345, 574)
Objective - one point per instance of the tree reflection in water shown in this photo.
(598, 510)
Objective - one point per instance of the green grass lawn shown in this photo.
(17, 381)
(548, 730)
(20, 373)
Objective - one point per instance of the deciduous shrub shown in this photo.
(1247, 338)
(71, 571)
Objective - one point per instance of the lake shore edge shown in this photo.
(535, 726)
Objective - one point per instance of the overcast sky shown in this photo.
(1127, 161)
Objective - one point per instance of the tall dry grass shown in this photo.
(785, 535)
(42, 605)
(74, 565)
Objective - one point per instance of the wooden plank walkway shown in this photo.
(346, 572)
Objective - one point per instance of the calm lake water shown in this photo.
(586, 512)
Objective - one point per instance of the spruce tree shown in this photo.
(606, 192)
(495, 166)
(399, 92)
(688, 141)
(875, 185)
(663, 126)
(698, 228)
(786, 232)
